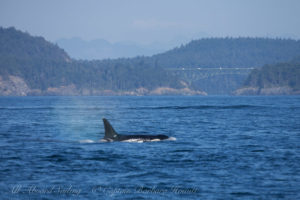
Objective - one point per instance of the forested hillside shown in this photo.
(230, 53)
(277, 79)
(32, 66)
(221, 65)
(20, 45)
(47, 70)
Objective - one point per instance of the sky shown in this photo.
(150, 21)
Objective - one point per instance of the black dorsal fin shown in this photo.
(110, 133)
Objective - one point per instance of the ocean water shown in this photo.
(226, 148)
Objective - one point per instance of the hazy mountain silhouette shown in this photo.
(101, 49)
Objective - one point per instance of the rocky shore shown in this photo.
(275, 90)
(16, 86)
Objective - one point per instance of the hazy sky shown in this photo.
(147, 21)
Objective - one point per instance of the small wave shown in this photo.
(201, 107)
(240, 194)
(172, 139)
(53, 108)
(99, 158)
(56, 158)
(183, 150)
(86, 141)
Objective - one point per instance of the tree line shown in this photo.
(43, 64)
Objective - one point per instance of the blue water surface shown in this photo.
(226, 148)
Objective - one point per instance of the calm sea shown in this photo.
(226, 148)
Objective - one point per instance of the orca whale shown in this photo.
(111, 135)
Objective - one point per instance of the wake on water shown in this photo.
(129, 140)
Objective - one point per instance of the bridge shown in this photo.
(221, 80)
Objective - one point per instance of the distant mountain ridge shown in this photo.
(102, 49)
